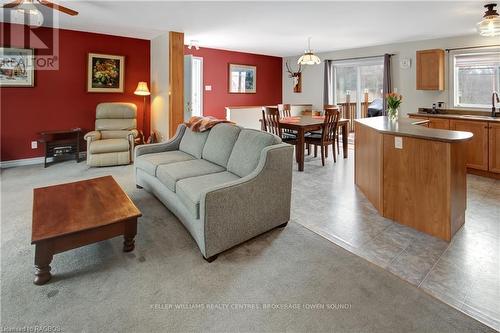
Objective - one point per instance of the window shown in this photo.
(475, 77)
(357, 77)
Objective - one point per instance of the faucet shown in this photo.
(493, 107)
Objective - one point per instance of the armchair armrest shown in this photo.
(92, 136)
(133, 134)
(172, 144)
(231, 218)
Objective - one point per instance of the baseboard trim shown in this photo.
(30, 161)
(21, 162)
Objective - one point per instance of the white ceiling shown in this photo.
(278, 28)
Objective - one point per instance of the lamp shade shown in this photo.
(490, 24)
(142, 89)
(489, 27)
(309, 58)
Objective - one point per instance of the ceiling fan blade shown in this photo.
(60, 8)
(12, 4)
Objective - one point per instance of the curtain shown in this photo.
(328, 91)
(387, 87)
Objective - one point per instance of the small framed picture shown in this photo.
(17, 67)
(105, 73)
(242, 79)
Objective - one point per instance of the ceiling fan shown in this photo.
(27, 8)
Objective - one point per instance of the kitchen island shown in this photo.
(413, 174)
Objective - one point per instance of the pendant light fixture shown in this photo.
(309, 58)
(490, 24)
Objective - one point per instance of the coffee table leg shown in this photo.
(43, 258)
(129, 235)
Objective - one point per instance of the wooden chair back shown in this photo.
(285, 110)
(330, 106)
(332, 116)
(270, 120)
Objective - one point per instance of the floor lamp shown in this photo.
(142, 90)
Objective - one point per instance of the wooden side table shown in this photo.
(61, 143)
(71, 215)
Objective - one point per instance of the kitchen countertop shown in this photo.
(410, 128)
(456, 116)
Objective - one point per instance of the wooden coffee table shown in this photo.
(71, 215)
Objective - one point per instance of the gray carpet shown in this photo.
(100, 288)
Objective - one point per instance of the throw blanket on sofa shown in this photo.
(202, 124)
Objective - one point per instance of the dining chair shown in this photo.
(318, 132)
(329, 106)
(328, 134)
(270, 120)
(271, 124)
(285, 110)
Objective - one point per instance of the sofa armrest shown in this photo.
(93, 136)
(239, 210)
(172, 144)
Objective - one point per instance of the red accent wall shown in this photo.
(215, 73)
(60, 99)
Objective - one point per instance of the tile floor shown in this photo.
(464, 273)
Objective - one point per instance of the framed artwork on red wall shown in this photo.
(242, 79)
(105, 73)
(17, 67)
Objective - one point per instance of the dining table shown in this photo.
(307, 123)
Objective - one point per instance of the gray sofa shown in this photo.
(225, 185)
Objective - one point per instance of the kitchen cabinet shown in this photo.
(423, 118)
(430, 69)
(439, 123)
(494, 147)
(420, 183)
(477, 148)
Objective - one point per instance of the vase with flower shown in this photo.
(393, 102)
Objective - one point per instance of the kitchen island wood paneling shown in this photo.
(412, 174)
(483, 151)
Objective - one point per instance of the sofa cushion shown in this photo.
(109, 146)
(169, 174)
(193, 142)
(189, 190)
(220, 143)
(149, 162)
(246, 151)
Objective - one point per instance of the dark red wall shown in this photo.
(60, 99)
(215, 73)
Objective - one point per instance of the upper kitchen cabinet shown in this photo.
(430, 69)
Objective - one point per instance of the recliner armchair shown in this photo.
(112, 142)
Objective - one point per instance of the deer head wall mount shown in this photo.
(296, 76)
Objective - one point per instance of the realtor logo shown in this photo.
(26, 32)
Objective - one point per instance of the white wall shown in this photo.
(402, 79)
(160, 85)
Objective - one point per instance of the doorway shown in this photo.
(193, 86)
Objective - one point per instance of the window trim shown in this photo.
(452, 91)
